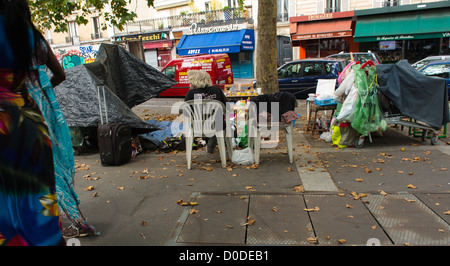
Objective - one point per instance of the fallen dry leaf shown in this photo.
(315, 209)
(120, 188)
(89, 188)
(359, 179)
(249, 222)
(383, 193)
(299, 188)
(368, 170)
(411, 186)
(447, 212)
(342, 241)
(348, 206)
(313, 240)
(193, 211)
(358, 196)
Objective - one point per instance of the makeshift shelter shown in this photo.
(128, 82)
(417, 96)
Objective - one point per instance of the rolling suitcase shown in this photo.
(114, 139)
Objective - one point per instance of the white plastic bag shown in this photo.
(326, 136)
(244, 156)
(347, 111)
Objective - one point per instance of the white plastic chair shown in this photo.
(256, 128)
(200, 121)
(255, 142)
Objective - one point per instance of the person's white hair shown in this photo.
(199, 79)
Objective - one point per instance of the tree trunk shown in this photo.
(266, 48)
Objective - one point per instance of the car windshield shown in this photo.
(424, 62)
(438, 70)
(361, 57)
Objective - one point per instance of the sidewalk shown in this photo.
(326, 197)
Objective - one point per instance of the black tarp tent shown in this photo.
(416, 95)
(128, 82)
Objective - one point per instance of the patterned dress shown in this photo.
(64, 162)
(28, 206)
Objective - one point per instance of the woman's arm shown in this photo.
(53, 64)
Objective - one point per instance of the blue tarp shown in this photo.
(167, 129)
(217, 42)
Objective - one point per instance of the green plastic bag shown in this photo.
(368, 116)
(243, 137)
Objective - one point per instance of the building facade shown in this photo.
(305, 28)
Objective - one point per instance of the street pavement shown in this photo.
(395, 191)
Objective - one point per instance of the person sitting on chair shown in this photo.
(201, 87)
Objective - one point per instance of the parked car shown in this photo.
(421, 63)
(361, 57)
(300, 77)
(438, 68)
(218, 67)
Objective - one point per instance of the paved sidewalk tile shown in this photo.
(342, 220)
(279, 220)
(408, 221)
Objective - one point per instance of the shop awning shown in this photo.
(323, 29)
(217, 42)
(424, 24)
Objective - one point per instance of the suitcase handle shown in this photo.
(100, 103)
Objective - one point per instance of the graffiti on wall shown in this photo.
(76, 55)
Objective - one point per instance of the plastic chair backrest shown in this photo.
(206, 116)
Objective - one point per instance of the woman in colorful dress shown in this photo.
(41, 90)
(29, 209)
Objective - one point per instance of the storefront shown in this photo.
(409, 32)
(239, 44)
(154, 47)
(323, 34)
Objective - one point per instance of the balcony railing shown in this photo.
(211, 18)
(97, 35)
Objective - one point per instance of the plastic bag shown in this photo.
(347, 111)
(243, 137)
(244, 156)
(326, 136)
(343, 135)
(368, 116)
(170, 144)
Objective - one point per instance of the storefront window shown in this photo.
(411, 50)
(325, 47)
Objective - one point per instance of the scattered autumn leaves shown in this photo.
(382, 159)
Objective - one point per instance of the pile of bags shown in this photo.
(358, 111)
